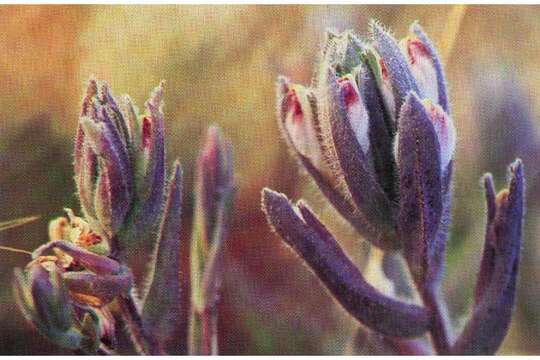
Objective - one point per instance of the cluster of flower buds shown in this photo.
(119, 163)
(84, 278)
(375, 133)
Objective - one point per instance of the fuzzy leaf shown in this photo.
(421, 203)
(43, 300)
(136, 241)
(301, 230)
(103, 287)
(366, 192)
(381, 131)
(118, 172)
(341, 52)
(496, 287)
(161, 312)
(85, 176)
(398, 69)
(50, 298)
(341, 204)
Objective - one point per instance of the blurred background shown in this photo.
(220, 64)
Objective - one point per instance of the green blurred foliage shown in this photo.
(220, 64)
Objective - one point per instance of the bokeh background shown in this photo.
(220, 64)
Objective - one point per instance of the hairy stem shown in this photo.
(203, 332)
(438, 328)
(143, 342)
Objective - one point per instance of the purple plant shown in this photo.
(88, 276)
(375, 133)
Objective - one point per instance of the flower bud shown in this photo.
(393, 64)
(442, 93)
(101, 148)
(385, 87)
(298, 119)
(50, 297)
(59, 229)
(445, 130)
(214, 190)
(43, 300)
(120, 170)
(356, 111)
(422, 67)
(342, 52)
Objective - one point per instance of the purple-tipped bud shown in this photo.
(341, 52)
(446, 132)
(356, 111)
(381, 129)
(394, 64)
(50, 297)
(120, 170)
(496, 285)
(361, 182)
(214, 190)
(43, 299)
(424, 48)
(381, 79)
(422, 68)
(298, 119)
(105, 199)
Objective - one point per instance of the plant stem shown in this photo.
(143, 342)
(203, 332)
(214, 331)
(438, 328)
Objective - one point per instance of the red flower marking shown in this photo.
(416, 48)
(293, 105)
(348, 92)
(439, 121)
(88, 239)
(384, 70)
(146, 132)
